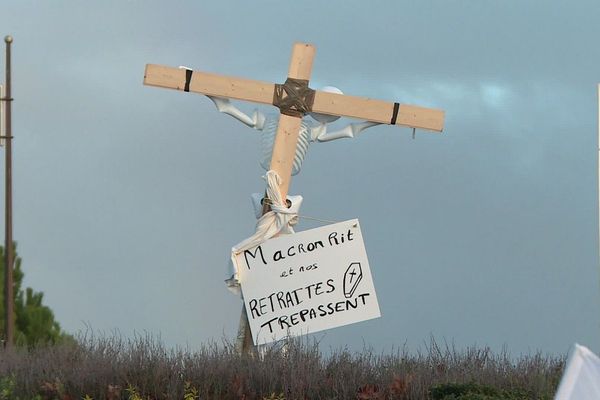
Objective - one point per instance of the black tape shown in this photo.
(294, 97)
(188, 79)
(395, 113)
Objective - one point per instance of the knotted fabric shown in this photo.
(279, 220)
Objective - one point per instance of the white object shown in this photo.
(307, 282)
(308, 132)
(279, 220)
(581, 379)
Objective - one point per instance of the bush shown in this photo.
(473, 391)
(143, 368)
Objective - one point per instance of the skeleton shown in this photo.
(309, 132)
(267, 125)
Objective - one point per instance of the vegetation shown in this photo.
(50, 365)
(473, 391)
(34, 322)
(142, 368)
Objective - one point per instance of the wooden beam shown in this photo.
(288, 130)
(282, 157)
(301, 61)
(324, 103)
(378, 111)
(209, 84)
(284, 150)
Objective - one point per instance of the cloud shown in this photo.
(495, 96)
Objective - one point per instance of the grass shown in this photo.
(143, 368)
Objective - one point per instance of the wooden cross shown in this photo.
(294, 99)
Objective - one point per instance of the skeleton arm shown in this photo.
(257, 121)
(319, 132)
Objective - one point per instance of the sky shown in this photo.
(128, 198)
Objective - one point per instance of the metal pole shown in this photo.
(9, 322)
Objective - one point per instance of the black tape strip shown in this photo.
(294, 97)
(395, 113)
(188, 79)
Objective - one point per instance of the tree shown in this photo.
(34, 322)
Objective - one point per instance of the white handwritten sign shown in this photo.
(307, 282)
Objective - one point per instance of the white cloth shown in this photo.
(279, 220)
(581, 379)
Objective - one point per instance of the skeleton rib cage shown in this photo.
(267, 139)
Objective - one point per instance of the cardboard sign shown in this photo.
(307, 282)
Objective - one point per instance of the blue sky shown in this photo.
(129, 198)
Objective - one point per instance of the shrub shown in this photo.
(473, 391)
(99, 367)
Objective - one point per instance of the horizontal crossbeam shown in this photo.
(384, 112)
(324, 103)
(209, 84)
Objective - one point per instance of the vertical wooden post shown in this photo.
(282, 161)
(288, 130)
(9, 322)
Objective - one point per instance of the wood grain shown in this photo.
(210, 84)
(378, 111)
(286, 139)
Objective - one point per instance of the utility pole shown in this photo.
(9, 322)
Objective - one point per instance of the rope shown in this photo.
(279, 220)
(326, 221)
